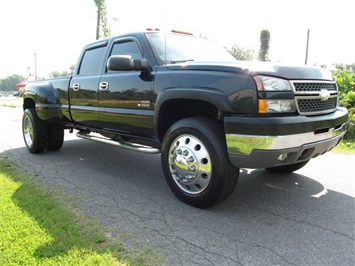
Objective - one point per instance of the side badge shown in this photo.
(145, 104)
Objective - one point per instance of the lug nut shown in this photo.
(191, 159)
(190, 177)
(192, 168)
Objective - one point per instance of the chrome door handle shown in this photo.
(103, 86)
(76, 86)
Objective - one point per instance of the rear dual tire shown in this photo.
(55, 137)
(38, 135)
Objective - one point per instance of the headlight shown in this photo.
(272, 85)
(265, 83)
(276, 106)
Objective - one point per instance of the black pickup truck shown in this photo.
(190, 100)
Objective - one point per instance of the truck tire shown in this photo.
(286, 169)
(55, 137)
(195, 162)
(34, 131)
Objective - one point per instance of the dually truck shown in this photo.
(184, 97)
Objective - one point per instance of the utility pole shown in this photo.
(35, 54)
(305, 61)
(28, 73)
(98, 25)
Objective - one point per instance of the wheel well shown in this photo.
(28, 103)
(177, 109)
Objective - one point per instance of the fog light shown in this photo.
(282, 157)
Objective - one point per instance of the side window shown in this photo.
(91, 62)
(127, 48)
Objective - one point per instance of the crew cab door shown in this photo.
(84, 86)
(126, 98)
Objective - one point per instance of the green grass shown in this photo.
(11, 101)
(346, 147)
(38, 227)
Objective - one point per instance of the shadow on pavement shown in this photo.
(285, 218)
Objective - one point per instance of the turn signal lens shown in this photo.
(262, 106)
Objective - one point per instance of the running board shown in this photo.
(122, 144)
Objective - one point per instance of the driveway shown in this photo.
(304, 218)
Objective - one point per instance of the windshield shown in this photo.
(173, 48)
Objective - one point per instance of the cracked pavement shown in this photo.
(305, 218)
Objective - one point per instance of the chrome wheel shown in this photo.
(28, 131)
(195, 162)
(190, 164)
(34, 131)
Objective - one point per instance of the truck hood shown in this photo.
(259, 68)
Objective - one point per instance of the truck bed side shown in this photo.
(49, 98)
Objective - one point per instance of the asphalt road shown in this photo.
(305, 218)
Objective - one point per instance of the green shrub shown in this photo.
(350, 134)
(345, 78)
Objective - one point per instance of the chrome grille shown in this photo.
(316, 105)
(314, 87)
(315, 97)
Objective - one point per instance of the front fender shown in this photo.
(45, 99)
(212, 96)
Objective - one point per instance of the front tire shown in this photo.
(195, 162)
(34, 131)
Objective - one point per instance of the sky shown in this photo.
(53, 32)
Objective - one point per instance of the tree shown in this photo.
(350, 67)
(57, 74)
(102, 29)
(72, 68)
(64, 73)
(345, 78)
(9, 83)
(264, 45)
(241, 53)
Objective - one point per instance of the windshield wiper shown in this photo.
(181, 61)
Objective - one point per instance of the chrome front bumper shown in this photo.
(245, 145)
(262, 150)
